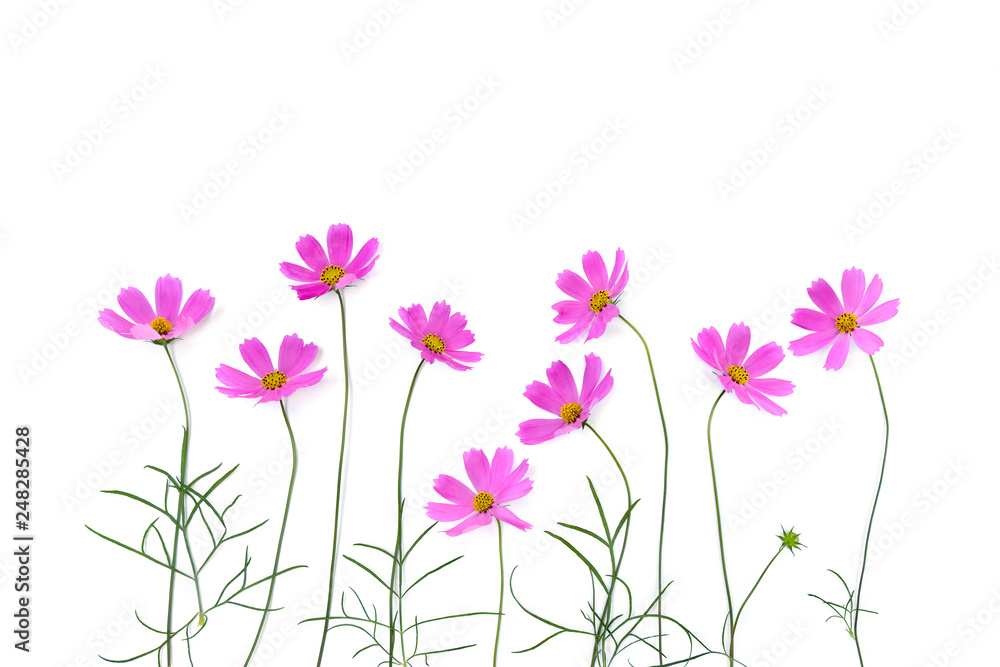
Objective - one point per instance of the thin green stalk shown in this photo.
(663, 506)
(340, 477)
(397, 563)
(759, 579)
(281, 534)
(615, 567)
(718, 517)
(871, 520)
(496, 644)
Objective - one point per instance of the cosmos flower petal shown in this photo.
(537, 431)
(453, 490)
(871, 296)
(737, 344)
(825, 298)
(477, 520)
(813, 342)
(838, 353)
(596, 270)
(866, 341)
(813, 320)
(447, 511)
(852, 287)
(168, 296)
(880, 313)
(764, 360)
(562, 382)
(765, 403)
(296, 272)
(312, 253)
(508, 517)
(477, 467)
(256, 356)
(339, 244)
(112, 321)
(772, 386)
(136, 306)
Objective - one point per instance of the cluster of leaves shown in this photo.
(366, 618)
(611, 634)
(847, 612)
(202, 513)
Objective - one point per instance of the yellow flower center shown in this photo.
(599, 301)
(161, 326)
(847, 323)
(738, 374)
(570, 412)
(331, 275)
(482, 502)
(434, 343)
(273, 380)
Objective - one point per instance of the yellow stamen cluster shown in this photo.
(599, 301)
(570, 412)
(433, 343)
(847, 322)
(161, 326)
(482, 502)
(274, 380)
(331, 274)
(738, 374)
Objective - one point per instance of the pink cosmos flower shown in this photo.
(271, 384)
(441, 337)
(841, 322)
(492, 485)
(167, 322)
(593, 302)
(330, 269)
(740, 374)
(561, 397)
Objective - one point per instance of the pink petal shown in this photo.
(256, 356)
(236, 379)
(181, 325)
(866, 341)
(852, 286)
(451, 363)
(198, 305)
(823, 296)
(453, 490)
(737, 344)
(765, 359)
(500, 467)
(741, 392)
(465, 356)
(312, 253)
(453, 327)
(304, 380)
(438, 317)
(871, 296)
(296, 272)
(365, 259)
(514, 491)
(508, 517)
(772, 386)
(572, 284)
(477, 467)
(619, 274)
(311, 290)
(838, 353)
(543, 396)
(813, 342)
(574, 331)
(339, 244)
(403, 331)
(600, 324)
(112, 321)
(477, 520)
(562, 382)
(570, 312)
(877, 315)
(144, 332)
(135, 306)
(415, 319)
(766, 403)
(448, 512)
(813, 320)
(169, 294)
(294, 356)
(710, 348)
(596, 270)
(536, 431)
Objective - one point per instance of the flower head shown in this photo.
(561, 397)
(790, 539)
(492, 485)
(840, 322)
(441, 337)
(332, 268)
(271, 384)
(593, 302)
(741, 374)
(168, 321)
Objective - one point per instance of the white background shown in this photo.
(893, 79)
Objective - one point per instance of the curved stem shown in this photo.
(180, 505)
(759, 579)
(397, 563)
(281, 534)
(340, 477)
(871, 520)
(615, 567)
(496, 644)
(718, 518)
(663, 505)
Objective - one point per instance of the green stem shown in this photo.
(281, 534)
(759, 579)
(663, 506)
(871, 520)
(340, 477)
(615, 567)
(180, 505)
(718, 518)
(496, 644)
(397, 563)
